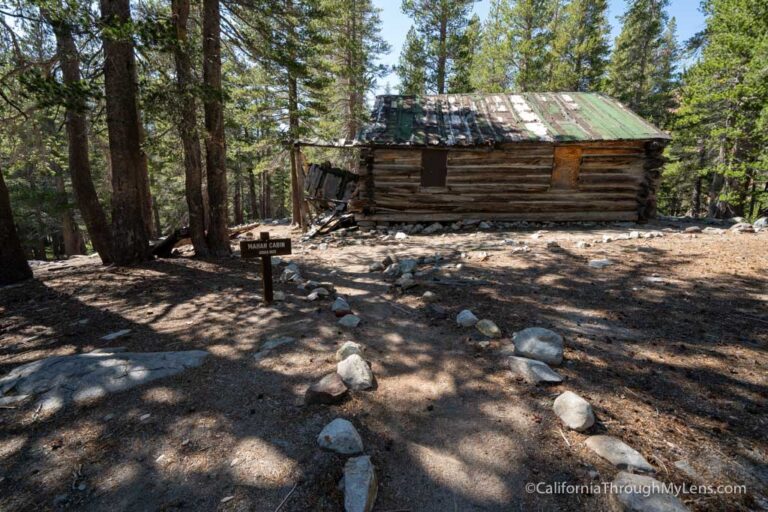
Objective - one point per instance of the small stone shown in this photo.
(743, 227)
(321, 292)
(117, 334)
(484, 225)
(607, 239)
(340, 307)
(433, 228)
(488, 328)
(400, 236)
(639, 493)
(360, 485)
(429, 296)
(574, 411)
(340, 436)
(761, 223)
(355, 372)
(437, 312)
(466, 318)
(393, 270)
(350, 321)
(408, 265)
(601, 263)
(328, 390)
(376, 267)
(634, 235)
(540, 344)
(405, 282)
(533, 371)
(581, 244)
(618, 453)
(693, 229)
(347, 349)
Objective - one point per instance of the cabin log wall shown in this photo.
(616, 181)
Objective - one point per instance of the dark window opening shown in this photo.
(434, 168)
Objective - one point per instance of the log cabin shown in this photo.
(529, 156)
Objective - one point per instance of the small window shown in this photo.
(434, 168)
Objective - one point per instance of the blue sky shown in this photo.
(395, 24)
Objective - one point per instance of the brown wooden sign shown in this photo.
(265, 248)
(268, 247)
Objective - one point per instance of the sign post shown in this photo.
(265, 248)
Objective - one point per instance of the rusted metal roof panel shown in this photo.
(467, 120)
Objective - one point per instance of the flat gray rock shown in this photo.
(341, 307)
(574, 411)
(355, 373)
(466, 318)
(618, 453)
(360, 485)
(340, 436)
(271, 344)
(59, 380)
(408, 265)
(328, 390)
(540, 344)
(533, 371)
(350, 321)
(639, 493)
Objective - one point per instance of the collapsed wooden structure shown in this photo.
(531, 156)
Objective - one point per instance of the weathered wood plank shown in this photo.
(546, 217)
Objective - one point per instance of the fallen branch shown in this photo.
(286, 498)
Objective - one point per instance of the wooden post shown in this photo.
(266, 272)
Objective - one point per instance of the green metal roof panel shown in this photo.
(490, 119)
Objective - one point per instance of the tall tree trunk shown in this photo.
(77, 137)
(300, 212)
(190, 139)
(144, 185)
(253, 210)
(442, 54)
(237, 204)
(215, 144)
(128, 186)
(13, 262)
(293, 129)
(266, 203)
(70, 234)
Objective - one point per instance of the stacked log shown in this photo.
(616, 181)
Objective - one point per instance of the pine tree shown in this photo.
(466, 49)
(720, 127)
(129, 226)
(440, 27)
(529, 39)
(13, 262)
(580, 46)
(631, 76)
(491, 63)
(354, 31)
(412, 67)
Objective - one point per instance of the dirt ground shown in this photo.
(669, 346)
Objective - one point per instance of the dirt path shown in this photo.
(668, 344)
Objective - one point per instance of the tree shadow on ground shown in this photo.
(447, 428)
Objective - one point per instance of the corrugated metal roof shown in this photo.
(490, 119)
